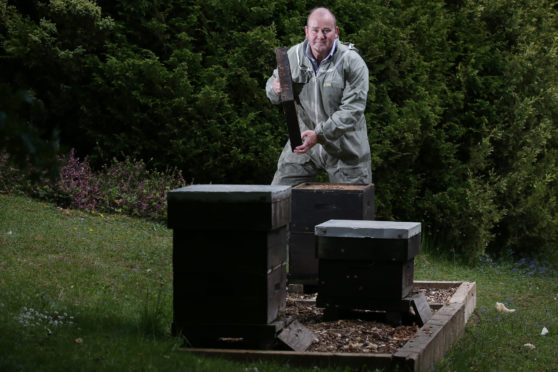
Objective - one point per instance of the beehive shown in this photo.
(365, 263)
(315, 203)
(229, 256)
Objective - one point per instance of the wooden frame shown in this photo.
(428, 346)
(287, 96)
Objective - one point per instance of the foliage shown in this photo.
(126, 186)
(462, 105)
(12, 179)
(463, 121)
(20, 137)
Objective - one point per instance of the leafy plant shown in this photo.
(126, 186)
(461, 110)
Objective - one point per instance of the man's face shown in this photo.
(321, 32)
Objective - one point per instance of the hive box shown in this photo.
(312, 204)
(229, 276)
(229, 255)
(363, 264)
(229, 207)
(228, 297)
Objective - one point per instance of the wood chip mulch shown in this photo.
(363, 332)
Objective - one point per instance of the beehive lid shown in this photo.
(229, 193)
(368, 229)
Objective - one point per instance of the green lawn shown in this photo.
(494, 341)
(85, 291)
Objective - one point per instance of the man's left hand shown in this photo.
(309, 139)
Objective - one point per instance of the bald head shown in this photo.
(322, 12)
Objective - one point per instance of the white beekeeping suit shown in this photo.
(331, 101)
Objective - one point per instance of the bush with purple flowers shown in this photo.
(130, 187)
(77, 185)
(124, 186)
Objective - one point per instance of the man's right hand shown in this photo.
(276, 86)
(309, 139)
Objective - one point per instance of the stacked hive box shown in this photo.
(312, 204)
(229, 258)
(366, 264)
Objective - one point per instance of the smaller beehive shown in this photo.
(363, 264)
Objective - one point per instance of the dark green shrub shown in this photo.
(462, 106)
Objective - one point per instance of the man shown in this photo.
(330, 82)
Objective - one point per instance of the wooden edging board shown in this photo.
(428, 345)
(435, 338)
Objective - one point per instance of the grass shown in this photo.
(494, 341)
(85, 291)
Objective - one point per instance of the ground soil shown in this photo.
(362, 331)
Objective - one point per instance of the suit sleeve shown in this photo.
(273, 97)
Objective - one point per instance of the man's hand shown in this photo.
(309, 139)
(276, 86)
